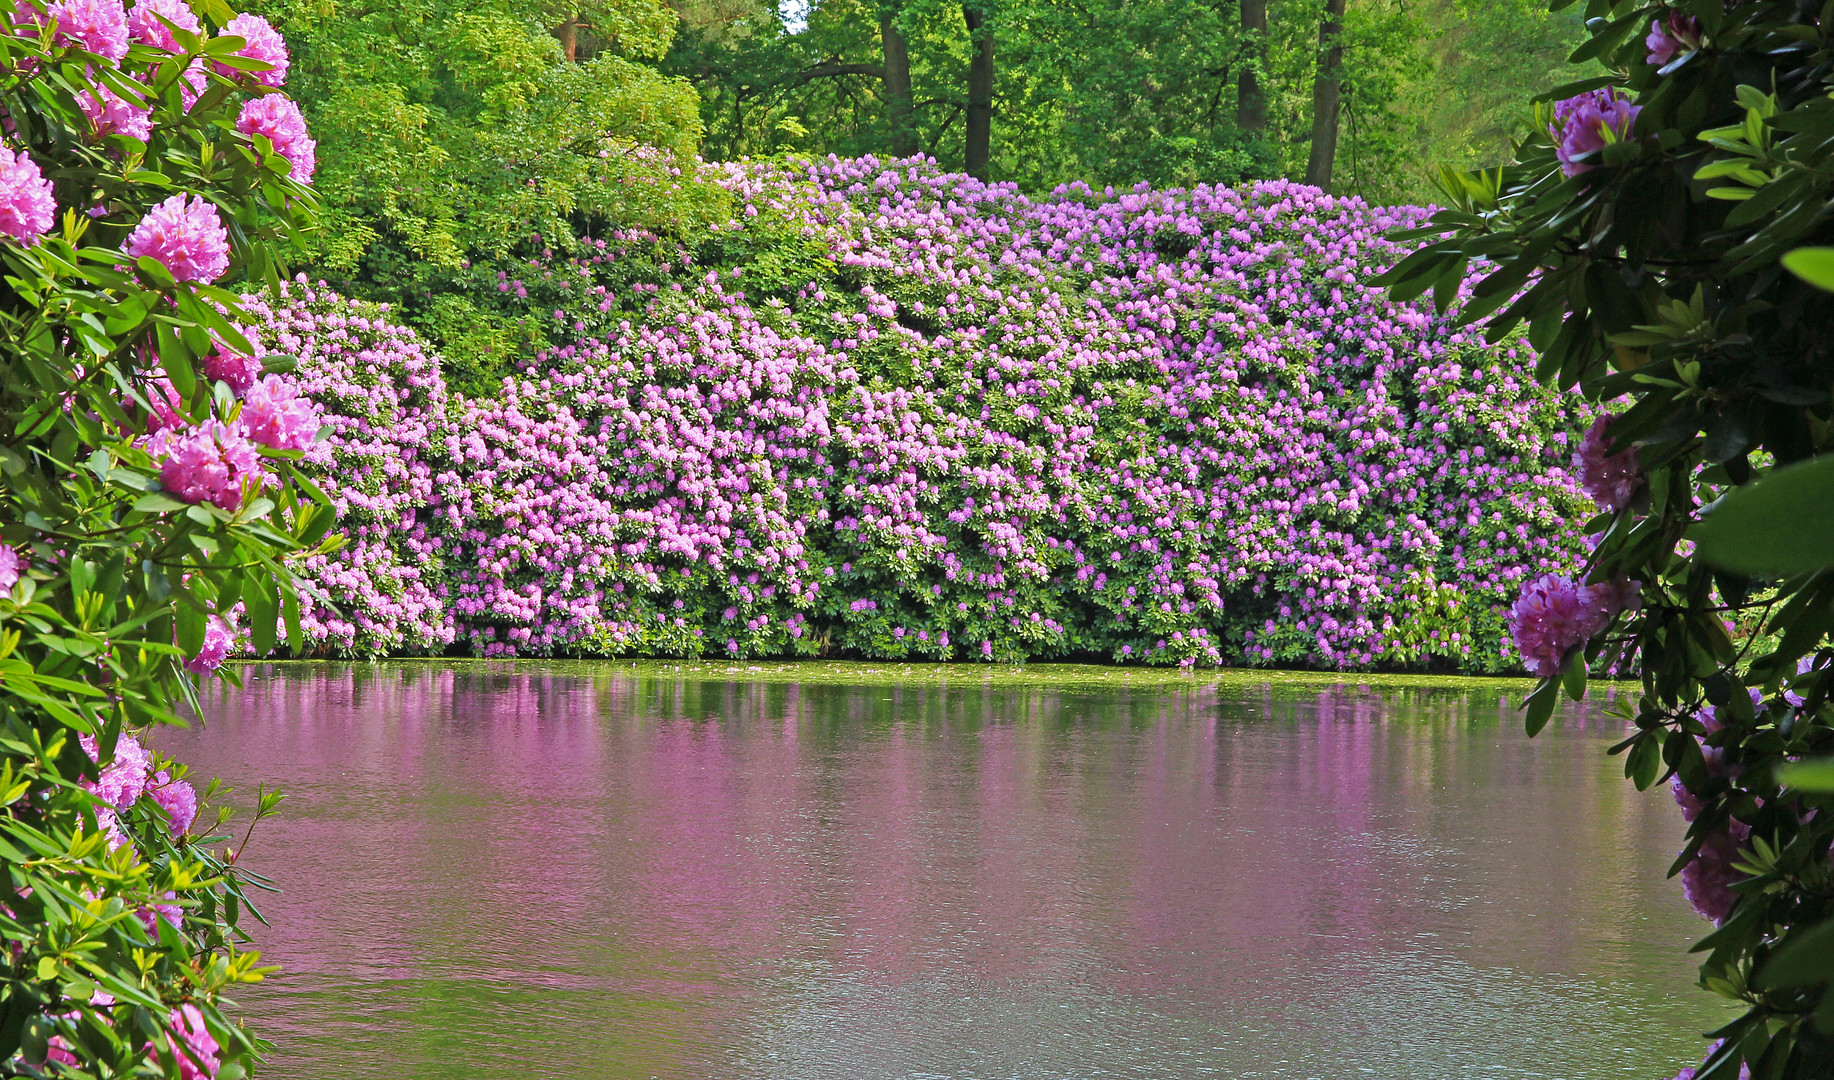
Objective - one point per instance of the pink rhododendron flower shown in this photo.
(168, 409)
(98, 26)
(1708, 878)
(263, 43)
(1613, 480)
(1583, 124)
(280, 120)
(113, 114)
(185, 235)
(1554, 615)
(1670, 36)
(219, 638)
(12, 567)
(177, 798)
(27, 18)
(277, 415)
(120, 785)
(171, 913)
(240, 372)
(28, 207)
(199, 1057)
(207, 463)
(143, 22)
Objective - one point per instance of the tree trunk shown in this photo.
(568, 33)
(1327, 96)
(897, 85)
(1250, 100)
(978, 148)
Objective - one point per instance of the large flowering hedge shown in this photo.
(893, 412)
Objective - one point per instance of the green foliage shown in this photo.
(1656, 275)
(1123, 91)
(117, 577)
(452, 131)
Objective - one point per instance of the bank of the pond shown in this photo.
(841, 673)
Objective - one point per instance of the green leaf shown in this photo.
(1814, 265)
(1817, 775)
(1781, 525)
(158, 502)
(1573, 674)
(1540, 705)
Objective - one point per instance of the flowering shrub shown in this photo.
(889, 411)
(142, 504)
(1646, 241)
(380, 462)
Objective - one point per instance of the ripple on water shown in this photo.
(554, 871)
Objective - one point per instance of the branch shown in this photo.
(828, 69)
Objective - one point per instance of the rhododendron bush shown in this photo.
(153, 509)
(887, 411)
(1654, 237)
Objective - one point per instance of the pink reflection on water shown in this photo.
(704, 852)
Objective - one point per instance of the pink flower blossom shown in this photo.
(1613, 480)
(113, 114)
(177, 798)
(1708, 878)
(277, 415)
(28, 207)
(185, 235)
(240, 372)
(280, 120)
(1553, 616)
(219, 638)
(1583, 124)
(207, 463)
(168, 409)
(120, 785)
(12, 568)
(263, 43)
(1670, 36)
(98, 26)
(199, 1057)
(143, 22)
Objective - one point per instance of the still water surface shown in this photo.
(514, 872)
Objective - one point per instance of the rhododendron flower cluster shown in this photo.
(211, 462)
(129, 776)
(279, 119)
(275, 414)
(196, 1053)
(1671, 35)
(1156, 426)
(1611, 480)
(113, 114)
(144, 25)
(261, 42)
(1585, 123)
(185, 235)
(1553, 616)
(28, 206)
(98, 26)
(219, 639)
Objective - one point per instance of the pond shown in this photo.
(503, 870)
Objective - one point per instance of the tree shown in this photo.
(1250, 100)
(452, 130)
(1327, 96)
